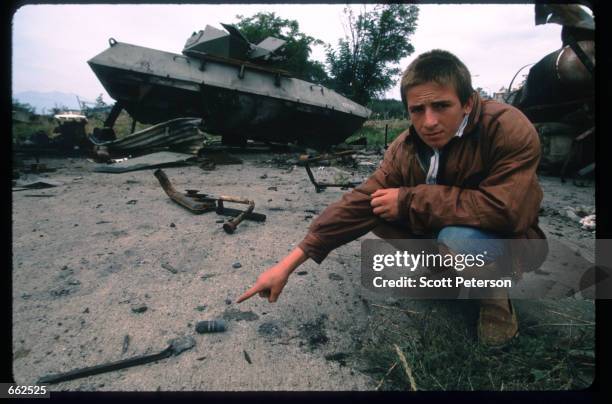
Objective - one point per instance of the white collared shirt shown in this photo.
(434, 161)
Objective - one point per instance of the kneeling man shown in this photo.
(465, 170)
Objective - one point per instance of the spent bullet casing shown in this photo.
(207, 326)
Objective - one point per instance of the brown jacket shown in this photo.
(487, 179)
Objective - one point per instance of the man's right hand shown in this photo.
(269, 284)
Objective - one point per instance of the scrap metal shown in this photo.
(153, 160)
(201, 203)
(559, 92)
(177, 346)
(180, 133)
(320, 186)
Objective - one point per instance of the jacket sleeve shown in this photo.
(506, 201)
(351, 217)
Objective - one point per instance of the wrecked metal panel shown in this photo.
(152, 160)
(36, 183)
(570, 15)
(178, 131)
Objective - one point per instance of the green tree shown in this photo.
(364, 65)
(23, 107)
(297, 49)
(387, 109)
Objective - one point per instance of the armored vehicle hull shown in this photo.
(236, 99)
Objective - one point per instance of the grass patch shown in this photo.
(23, 130)
(441, 348)
(122, 126)
(374, 131)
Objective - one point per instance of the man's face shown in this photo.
(436, 112)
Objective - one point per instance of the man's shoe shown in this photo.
(497, 323)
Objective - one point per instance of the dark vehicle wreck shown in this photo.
(559, 93)
(228, 82)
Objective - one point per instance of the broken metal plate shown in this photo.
(37, 183)
(159, 159)
(271, 43)
(173, 133)
(234, 32)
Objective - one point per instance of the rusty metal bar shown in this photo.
(200, 203)
(320, 186)
(231, 225)
(190, 200)
(233, 199)
(256, 217)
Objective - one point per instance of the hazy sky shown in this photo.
(52, 43)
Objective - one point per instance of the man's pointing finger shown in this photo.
(248, 294)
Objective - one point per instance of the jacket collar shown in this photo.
(475, 115)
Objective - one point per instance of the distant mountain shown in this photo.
(45, 101)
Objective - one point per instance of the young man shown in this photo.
(464, 170)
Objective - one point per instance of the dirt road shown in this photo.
(87, 271)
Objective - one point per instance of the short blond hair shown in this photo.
(441, 67)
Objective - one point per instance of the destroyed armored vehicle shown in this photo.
(231, 84)
(559, 93)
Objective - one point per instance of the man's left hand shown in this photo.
(385, 204)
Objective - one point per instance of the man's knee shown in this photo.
(472, 240)
(487, 246)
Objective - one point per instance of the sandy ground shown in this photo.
(87, 256)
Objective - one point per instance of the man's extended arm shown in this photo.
(352, 212)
